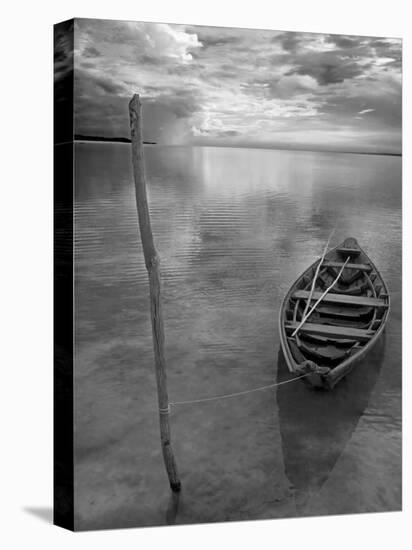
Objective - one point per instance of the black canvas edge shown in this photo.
(63, 174)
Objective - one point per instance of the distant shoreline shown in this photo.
(303, 150)
(79, 137)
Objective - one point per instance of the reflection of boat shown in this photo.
(316, 426)
(351, 305)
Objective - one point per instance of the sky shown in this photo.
(239, 87)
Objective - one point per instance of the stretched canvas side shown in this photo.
(63, 275)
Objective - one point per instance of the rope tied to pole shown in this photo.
(236, 394)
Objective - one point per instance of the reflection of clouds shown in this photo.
(245, 215)
(224, 208)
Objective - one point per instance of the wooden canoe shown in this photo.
(345, 324)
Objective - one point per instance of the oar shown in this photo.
(321, 298)
(317, 272)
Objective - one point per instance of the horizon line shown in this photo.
(103, 139)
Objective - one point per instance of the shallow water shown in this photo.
(234, 228)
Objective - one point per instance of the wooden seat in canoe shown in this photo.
(338, 265)
(341, 288)
(343, 299)
(344, 312)
(352, 252)
(324, 340)
(329, 353)
(334, 331)
(347, 278)
(326, 320)
(336, 314)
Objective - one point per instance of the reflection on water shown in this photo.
(234, 227)
(173, 508)
(315, 425)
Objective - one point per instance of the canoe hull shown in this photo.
(316, 375)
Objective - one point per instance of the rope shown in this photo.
(321, 298)
(317, 273)
(226, 396)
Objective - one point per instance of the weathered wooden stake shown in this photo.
(152, 262)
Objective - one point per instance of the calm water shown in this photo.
(234, 227)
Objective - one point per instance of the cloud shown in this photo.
(364, 111)
(290, 41)
(63, 51)
(327, 68)
(226, 85)
(133, 41)
(92, 84)
(380, 96)
(90, 51)
(164, 40)
(229, 133)
(341, 41)
(109, 86)
(213, 41)
(292, 85)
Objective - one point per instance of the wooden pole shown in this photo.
(152, 262)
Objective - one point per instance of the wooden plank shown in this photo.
(334, 331)
(344, 312)
(344, 299)
(360, 267)
(349, 251)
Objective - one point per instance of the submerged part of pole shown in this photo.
(152, 262)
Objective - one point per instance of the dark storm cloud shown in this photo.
(389, 49)
(102, 109)
(151, 60)
(102, 115)
(290, 41)
(327, 68)
(90, 51)
(373, 108)
(212, 41)
(89, 84)
(108, 86)
(182, 104)
(224, 71)
(229, 133)
(341, 58)
(343, 41)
